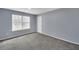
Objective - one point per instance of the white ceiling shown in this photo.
(35, 11)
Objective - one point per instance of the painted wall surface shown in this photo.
(39, 24)
(6, 24)
(62, 23)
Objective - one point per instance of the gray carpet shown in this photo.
(36, 41)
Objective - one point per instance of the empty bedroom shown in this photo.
(39, 28)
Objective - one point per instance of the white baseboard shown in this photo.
(14, 36)
(60, 38)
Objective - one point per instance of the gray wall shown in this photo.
(6, 24)
(62, 23)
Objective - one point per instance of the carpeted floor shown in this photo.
(36, 41)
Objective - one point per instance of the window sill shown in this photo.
(21, 30)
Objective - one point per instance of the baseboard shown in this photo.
(4, 39)
(60, 38)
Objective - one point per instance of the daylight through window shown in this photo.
(20, 22)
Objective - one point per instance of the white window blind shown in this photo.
(20, 22)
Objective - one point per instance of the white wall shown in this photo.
(6, 24)
(62, 23)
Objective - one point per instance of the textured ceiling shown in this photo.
(35, 11)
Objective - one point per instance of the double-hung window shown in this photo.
(20, 22)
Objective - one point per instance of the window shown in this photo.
(20, 22)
